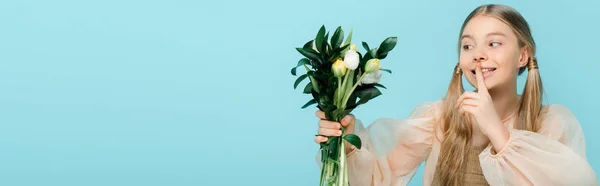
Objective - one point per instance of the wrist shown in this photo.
(499, 137)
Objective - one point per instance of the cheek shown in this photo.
(508, 61)
(505, 57)
(465, 58)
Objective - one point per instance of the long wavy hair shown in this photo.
(456, 129)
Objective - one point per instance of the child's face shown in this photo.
(492, 43)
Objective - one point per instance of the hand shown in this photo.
(331, 128)
(481, 107)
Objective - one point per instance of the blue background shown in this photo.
(178, 92)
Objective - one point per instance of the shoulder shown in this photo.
(557, 113)
(559, 122)
(428, 109)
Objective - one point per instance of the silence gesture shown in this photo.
(479, 105)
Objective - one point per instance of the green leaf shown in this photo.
(379, 85)
(371, 90)
(309, 103)
(313, 81)
(325, 48)
(308, 89)
(300, 79)
(363, 100)
(329, 49)
(309, 44)
(303, 61)
(338, 52)
(309, 53)
(367, 94)
(332, 144)
(382, 55)
(373, 53)
(386, 70)
(349, 38)
(351, 106)
(366, 46)
(354, 140)
(320, 39)
(388, 44)
(337, 38)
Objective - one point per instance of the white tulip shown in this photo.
(351, 59)
(372, 78)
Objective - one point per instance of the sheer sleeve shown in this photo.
(392, 148)
(554, 156)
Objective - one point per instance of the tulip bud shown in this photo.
(372, 65)
(338, 68)
(351, 59)
(353, 47)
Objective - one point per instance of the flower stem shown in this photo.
(347, 96)
(323, 165)
(342, 88)
(342, 159)
(338, 92)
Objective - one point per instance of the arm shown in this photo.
(554, 156)
(392, 148)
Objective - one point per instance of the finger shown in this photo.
(347, 120)
(481, 87)
(320, 114)
(321, 139)
(467, 110)
(329, 132)
(329, 124)
(470, 102)
(466, 95)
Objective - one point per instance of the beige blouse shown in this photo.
(394, 148)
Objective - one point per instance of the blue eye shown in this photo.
(495, 44)
(467, 47)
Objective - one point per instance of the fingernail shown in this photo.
(339, 133)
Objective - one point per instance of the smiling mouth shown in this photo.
(487, 72)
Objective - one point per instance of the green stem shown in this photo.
(342, 158)
(346, 181)
(323, 165)
(342, 89)
(347, 96)
(338, 92)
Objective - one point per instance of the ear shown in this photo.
(524, 57)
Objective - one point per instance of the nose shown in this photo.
(480, 56)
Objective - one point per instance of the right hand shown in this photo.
(331, 128)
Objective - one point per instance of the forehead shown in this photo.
(481, 26)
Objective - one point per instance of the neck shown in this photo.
(505, 100)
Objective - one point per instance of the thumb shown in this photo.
(481, 87)
(347, 120)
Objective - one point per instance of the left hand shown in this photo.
(481, 107)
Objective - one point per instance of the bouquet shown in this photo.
(341, 79)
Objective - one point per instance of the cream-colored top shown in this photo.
(394, 148)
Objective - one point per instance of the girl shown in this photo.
(492, 136)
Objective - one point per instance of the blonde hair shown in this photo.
(456, 129)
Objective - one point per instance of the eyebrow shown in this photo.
(490, 34)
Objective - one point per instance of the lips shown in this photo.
(487, 72)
